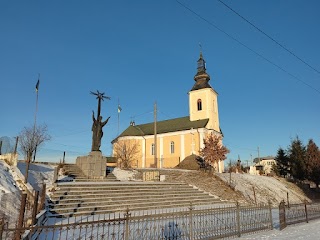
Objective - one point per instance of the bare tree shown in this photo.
(126, 151)
(213, 150)
(30, 139)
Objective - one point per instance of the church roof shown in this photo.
(200, 84)
(166, 126)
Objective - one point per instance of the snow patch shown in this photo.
(124, 175)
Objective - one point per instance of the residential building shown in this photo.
(262, 165)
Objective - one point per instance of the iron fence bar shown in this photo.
(127, 216)
(238, 220)
(305, 208)
(190, 222)
(270, 214)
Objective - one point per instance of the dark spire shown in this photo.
(201, 78)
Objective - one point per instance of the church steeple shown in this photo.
(201, 64)
(201, 77)
(203, 99)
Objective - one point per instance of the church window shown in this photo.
(152, 149)
(172, 147)
(199, 104)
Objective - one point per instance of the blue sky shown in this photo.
(139, 52)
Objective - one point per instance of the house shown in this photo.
(262, 165)
(171, 141)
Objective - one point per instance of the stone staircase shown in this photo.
(91, 198)
(75, 172)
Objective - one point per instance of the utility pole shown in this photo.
(258, 156)
(16, 145)
(155, 135)
(230, 171)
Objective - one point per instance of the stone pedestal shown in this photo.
(94, 165)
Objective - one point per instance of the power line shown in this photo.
(268, 36)
(247, 47)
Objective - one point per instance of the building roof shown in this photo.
(111, 160)
(166, 126)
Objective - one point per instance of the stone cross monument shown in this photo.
(94, 165)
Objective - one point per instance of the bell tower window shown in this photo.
(199, 105)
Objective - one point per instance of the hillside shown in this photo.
(266, 189)
(10, 194)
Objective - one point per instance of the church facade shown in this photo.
(171, 141)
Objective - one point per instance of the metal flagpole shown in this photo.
(35, 114)
(118, 115)
(29, 155)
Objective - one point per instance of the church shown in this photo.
(164, 144)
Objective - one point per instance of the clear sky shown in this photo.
(139, 52)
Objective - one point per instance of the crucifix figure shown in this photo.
(98, 124)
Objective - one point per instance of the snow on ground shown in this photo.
(305, 231)
(10, 194)
(265, 188)
(124, 175)
(38, 174)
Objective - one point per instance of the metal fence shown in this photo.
(296, 213)
(191, 223)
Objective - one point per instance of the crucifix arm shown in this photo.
(105, 122)
(93, 116)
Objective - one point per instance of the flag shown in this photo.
(37, 85)
(119, 109)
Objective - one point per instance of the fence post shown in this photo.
(270, 212)
(1, 227)
(238, 220)
(21, 216)
(282, 215)
(42, 197)
(305, 208)
(127, 218)
(254, 195)
(191, 221)
(35, 208)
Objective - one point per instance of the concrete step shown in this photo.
(83, 198)
(126, 191)
(121, 187)
(121, 194)
(129, 202)
(127, 183)
(92, 210)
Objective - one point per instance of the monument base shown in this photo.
(94, 165)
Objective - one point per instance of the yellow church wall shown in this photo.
(185, 143)
(169, 159)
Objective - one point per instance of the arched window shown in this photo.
(199, 104)
(152, 149)
(172, 147)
